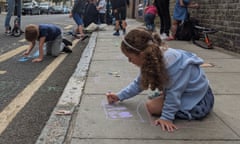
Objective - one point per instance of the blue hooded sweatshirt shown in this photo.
(188, 83)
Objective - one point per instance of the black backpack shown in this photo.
(186, 31)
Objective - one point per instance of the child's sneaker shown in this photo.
(21, 31)
(116, 33)
(66, 42)
(149, 27)
(66, 50)
(8, 33)
(83, 37)
(163, 36)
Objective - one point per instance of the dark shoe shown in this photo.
(21, 31)
(116, 33)
(8, 33)
(124, 31)
(66, 42)
(67, 50)
(84, 37)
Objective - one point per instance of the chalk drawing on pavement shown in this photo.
(35, 55)
(119, 111)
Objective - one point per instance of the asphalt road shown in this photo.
(15, 77)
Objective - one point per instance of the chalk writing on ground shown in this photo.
(123, 112)
(35, 55)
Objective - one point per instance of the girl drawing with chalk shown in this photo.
(186, 92)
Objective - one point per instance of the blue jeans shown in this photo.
(78, 19)
(10, 12)
(163, 12)
(149, 20)
(200, 110)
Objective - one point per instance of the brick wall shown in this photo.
(223, 15)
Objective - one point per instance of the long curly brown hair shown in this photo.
(153, 71)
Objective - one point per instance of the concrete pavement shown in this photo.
(104, 68)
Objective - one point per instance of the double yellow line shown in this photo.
(12, 53)
(11, 110)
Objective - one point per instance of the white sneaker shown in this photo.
(163, 36)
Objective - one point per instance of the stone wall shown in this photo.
(223, 15)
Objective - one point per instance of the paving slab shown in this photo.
(227, 107)
(109, 75)
(109, 40)
(109, 55)
(130, 120)
(141, 141)
(203, 53)
(223, 65)
(225, 83)
(109, 66)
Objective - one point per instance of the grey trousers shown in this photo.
(55, 47)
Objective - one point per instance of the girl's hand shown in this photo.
(166, 125)
(26, 53)
(112, 98)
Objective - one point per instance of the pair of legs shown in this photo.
(120, 15)
(165, 19)
(79, 21)
(149, 20)
(174, 29)
(55, 47)
(101, 17)
(199, 111)
(11, 8)
(155, 105)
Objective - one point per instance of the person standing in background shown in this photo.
(10, 12)
(91, 13)
(119, 8)
(77, 14)
(150, 13)
(165, 19)
(180, 14)
(101, 7)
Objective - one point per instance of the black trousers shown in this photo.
(164, 14)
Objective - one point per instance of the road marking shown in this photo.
(12, 53)
(68, 27)
(2, 72)
(11, 110)
(22, 40)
